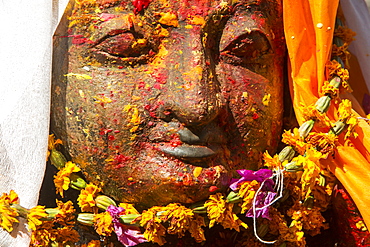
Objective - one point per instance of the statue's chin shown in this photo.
(154, 177)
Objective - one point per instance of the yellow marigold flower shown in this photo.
(221, 212)
(310, 112)
(154, 230)
(361, 225)
(310, 220)
(7, 214)
(129, 208)
(103, 223)
(178, 217)
(34, 216)
(247, 191)
(311, 171)
(62, 179)
(52, 143)
(294, 140)
(346, 116)
(216, 206)
(279, 226)
(86, 198)
(345, 109)
(11, 198)
(196, 229)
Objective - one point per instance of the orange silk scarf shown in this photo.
(309, 26)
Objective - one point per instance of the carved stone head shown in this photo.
(162, 101)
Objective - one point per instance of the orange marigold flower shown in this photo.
(154, 230)
(86, 198)
(43, 235)
(344, 33)
(310, 220)
(322, 142)
(103, 223)
(330, 90)
(310, 112)
(34, 216)
(62, 179)
(66, 235)
(272, 163)
(341, 51)
(196, 229)
(336, 69)
(65, 215)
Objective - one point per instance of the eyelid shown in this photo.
(256, 36)
(112, 27)
(109, 35)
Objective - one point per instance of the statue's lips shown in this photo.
(188, 151)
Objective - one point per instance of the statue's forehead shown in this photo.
(183, 8)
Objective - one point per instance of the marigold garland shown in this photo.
(306, 183)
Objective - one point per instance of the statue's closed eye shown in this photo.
(124, 45)
(247, 48)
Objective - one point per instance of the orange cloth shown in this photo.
(309, 26)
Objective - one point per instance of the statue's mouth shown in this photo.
(188, 151)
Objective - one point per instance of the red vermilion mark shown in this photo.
(255, 116)
(105, 131)
(175, 140)
(213, 188)
(140, 5)
(120, 160)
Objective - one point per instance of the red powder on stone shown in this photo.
(140, 5)
(255, 116)
(213, 188)
(120, 160)
(175, 140)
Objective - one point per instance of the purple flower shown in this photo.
(263, 198)
(127, 235)
(249, 175)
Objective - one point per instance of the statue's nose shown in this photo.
(192, 92)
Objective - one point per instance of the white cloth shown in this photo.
(357, 18)
(26, 29)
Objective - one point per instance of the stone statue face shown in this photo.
(163, 104)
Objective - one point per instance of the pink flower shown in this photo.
(127, 235)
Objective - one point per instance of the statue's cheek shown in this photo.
(254, 107)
